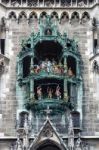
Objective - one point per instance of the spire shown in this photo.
(70, 134)
(47, 111)
(23, 133)
(78, 144)
(18, 145)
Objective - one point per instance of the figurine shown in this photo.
(70, 72)
(58, 93)
(49, 66)
(36, 69)
(39, 92)
(78, 144)
(50, 92)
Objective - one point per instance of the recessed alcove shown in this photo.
(47, 84)
(48, 49)
(26, 66)
(71, 64)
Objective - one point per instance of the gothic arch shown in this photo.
(52, 144)
(85, 17)
(12, 15)
(54, 14)
(86, 13)
(33, 14)
(42, 14)
(22, 15)
(75, 17)
(64, 17)
(49, 3)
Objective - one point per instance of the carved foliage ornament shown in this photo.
(48, 132)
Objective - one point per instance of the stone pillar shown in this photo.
(38, 3)
(32, 63)
(31, 82)
(31, 66)
(70, 134)
(54, 2)
(71, 3)
(65, 74)
(90, 40)
(7, 46)
(43, 3)
(65, 64)
(97, 37)
(19, 68)
(31, 89)
(65, 90)
(18, 71)
(76, 3)
(77, 69)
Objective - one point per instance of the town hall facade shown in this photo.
(49, 75)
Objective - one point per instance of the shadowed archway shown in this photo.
(49, 145)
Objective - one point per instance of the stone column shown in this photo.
(31, 89)
(65, 80)
(65, 64)
(38, 3)
(77, 69)
(71, 3)
(43, 3)
(65, 74)
(18, 71)
(90, 40)
(54, 2)
(76, 3)
(65, 90)
(97, 37)
(31, 66)
(19, 68)
(31, 82)
(7, 45)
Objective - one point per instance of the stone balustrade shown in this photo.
(49, 3)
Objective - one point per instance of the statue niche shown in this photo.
(48, 31)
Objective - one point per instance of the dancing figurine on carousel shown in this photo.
(39, 92)
(58, 93)
(50, 92)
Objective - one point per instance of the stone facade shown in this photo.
(18, 25)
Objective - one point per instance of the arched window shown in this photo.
(12, 15)
(23, 116)
(95, 41)
(22, 16)
(75, 17)
(64, 17)
(85, 17)
(71, 65)
(26, 66)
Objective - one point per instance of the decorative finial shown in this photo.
(70, 134)
(47, 111)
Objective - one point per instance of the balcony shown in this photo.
(56, 105)
(58, 71)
